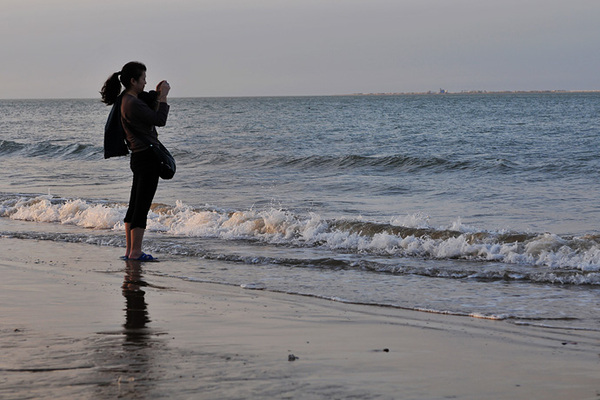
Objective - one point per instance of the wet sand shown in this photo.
(77, 322)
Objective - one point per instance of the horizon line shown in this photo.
(440, 92)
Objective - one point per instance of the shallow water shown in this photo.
(480, 205)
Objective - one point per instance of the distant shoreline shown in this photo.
(445, 92)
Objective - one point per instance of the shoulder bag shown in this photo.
(167, 166)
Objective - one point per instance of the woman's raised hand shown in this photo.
(163, 89)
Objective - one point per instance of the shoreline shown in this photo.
(80, 323)
(477, 92)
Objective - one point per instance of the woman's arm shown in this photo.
(141, 112)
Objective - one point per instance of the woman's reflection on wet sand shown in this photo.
(134, 362)
(136, 309)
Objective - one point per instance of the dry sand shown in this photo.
(78, 323)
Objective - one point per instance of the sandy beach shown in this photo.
(78, 322)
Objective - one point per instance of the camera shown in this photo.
(149, 98)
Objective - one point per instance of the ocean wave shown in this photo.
(345, 162)
(353, 161)
(548, 258)
(412, 164)
(50, 150)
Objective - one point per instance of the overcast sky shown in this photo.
(67, 48)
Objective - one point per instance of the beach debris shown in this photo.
(253, 286)
(123, 380)
(292, 357)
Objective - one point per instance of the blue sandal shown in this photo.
(145, 257)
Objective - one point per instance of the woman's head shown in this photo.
(132, 71)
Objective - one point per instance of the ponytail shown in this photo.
(112, 87)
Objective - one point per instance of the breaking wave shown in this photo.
(483, 255)
(50, 150)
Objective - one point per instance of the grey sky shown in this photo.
(67, 48)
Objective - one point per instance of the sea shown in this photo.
(476, 205)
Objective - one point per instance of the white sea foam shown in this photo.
(418, 220)
(71, 212)
(283, 227)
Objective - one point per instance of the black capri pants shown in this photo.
(145, 181)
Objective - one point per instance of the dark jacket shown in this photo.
(114, 135)
(139, 122)
(139, 118)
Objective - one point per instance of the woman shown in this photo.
(139, 122)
